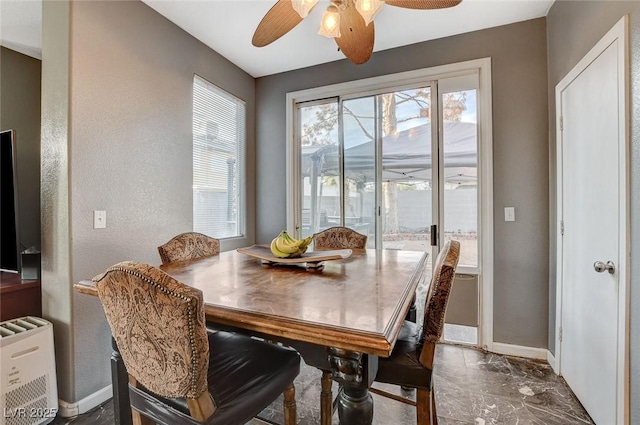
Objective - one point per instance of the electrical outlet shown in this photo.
(99, 219)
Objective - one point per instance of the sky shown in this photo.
(364, 107)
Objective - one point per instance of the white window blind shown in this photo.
(218, 161)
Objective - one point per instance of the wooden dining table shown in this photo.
(341, 316)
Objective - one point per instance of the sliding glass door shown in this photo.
(360, 139)
(320, 188)
(368, 162)
(406, 160)
(459, 159)
(459, 201)
(407, 173)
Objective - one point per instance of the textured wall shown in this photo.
(54, 189)
(129, 150)
(519, 70)
(20, 110)
(574, 27)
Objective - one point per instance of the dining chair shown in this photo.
(339, 237)
(411, 361)
(188, 246)
(178, 372)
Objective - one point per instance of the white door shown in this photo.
(592, 151)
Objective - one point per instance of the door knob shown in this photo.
(600, 267)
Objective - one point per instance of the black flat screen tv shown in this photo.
(9, 237)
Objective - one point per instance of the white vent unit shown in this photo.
(28, 372)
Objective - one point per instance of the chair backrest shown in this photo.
(158, 324)
(188, 246)
(339, 238)
(444, 272)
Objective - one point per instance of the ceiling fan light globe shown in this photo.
(330, 24)
(303, 7)
(368, 9)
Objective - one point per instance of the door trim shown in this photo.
(618, 33)
(485, 207)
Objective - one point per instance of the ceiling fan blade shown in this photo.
(423, 4)
(278, 21)
(356, 38)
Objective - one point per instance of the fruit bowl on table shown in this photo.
(310, 259)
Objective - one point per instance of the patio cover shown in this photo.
(406, 156)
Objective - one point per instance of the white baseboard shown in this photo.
(552, 361)
(70, 410)
(520, 351)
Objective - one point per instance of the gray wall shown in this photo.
(20, 111)
(573, 28)
(130, 153)
(521, 162)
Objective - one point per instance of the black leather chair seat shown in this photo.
(244, 374)
(404, 367)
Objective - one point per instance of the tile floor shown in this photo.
(472, 387)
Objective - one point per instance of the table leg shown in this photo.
(120, 385)
(355, 371)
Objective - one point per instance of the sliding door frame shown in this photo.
(405, 80)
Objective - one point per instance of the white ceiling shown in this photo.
(227, 27)
(21, 26)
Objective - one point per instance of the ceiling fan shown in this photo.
(348, 22)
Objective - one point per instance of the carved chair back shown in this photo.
(339, 238)
(437, 299)
(158, 324)
(188, 246)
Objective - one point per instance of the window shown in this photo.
(219, 141)
(458, 100)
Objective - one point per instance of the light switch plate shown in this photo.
(509, 214)
(99, 219)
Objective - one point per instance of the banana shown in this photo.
(286, 244)
(307, 241)
(283, 245)
(275, 251)
(301, 242)
(302, 247)
(288, 239)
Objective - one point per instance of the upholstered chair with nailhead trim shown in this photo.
(178, 372)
